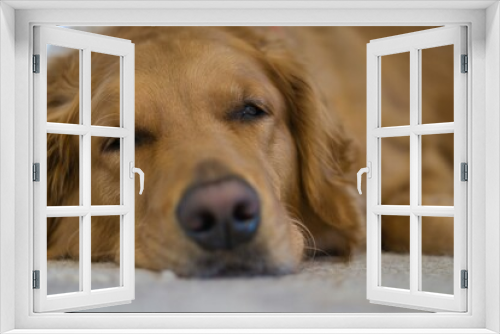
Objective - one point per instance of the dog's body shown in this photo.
(275, 115)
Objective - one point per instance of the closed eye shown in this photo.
(111, 145)
(142, 137)
(249, 112)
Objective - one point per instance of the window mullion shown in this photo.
(414, 170)
(85, 255)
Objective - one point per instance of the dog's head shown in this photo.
(237, 145)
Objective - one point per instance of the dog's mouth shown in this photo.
(248, 262)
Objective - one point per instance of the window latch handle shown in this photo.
(368, 171)
(133, 170)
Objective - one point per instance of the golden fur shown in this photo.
(301, 158)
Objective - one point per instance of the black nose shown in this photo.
(221, 214)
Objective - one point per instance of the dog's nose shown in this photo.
(221, 214)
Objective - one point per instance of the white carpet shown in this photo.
(322, 285)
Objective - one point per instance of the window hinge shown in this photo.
(36, 172)
(464, 171)
(36, 63)
(465, 279)
(465, 64)
(36, 279)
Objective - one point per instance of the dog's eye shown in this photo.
(249, 112)
(111, 145)
(141, 138)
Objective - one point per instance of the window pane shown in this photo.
(395, 170)
(437, 169)
(437, 84)
(63, 246)
(105, 252)
(106, 169)
(395, 93)
(395, 252)
(63, 85)
(63, 170)
(105, 90)
(437, 254)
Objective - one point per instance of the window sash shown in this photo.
(85, 43)
(413, 43)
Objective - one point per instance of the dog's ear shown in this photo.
(62, 150)
(326, 154)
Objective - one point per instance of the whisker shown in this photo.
(315, 249)
(297, 221)
(308, 236)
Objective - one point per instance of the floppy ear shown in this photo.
(326, 152)
(63, 164)
(62, 150)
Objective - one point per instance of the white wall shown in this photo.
(492, 165)
(7, 163)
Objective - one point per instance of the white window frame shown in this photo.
(483, 21)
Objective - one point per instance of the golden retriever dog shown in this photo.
(249, 137)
